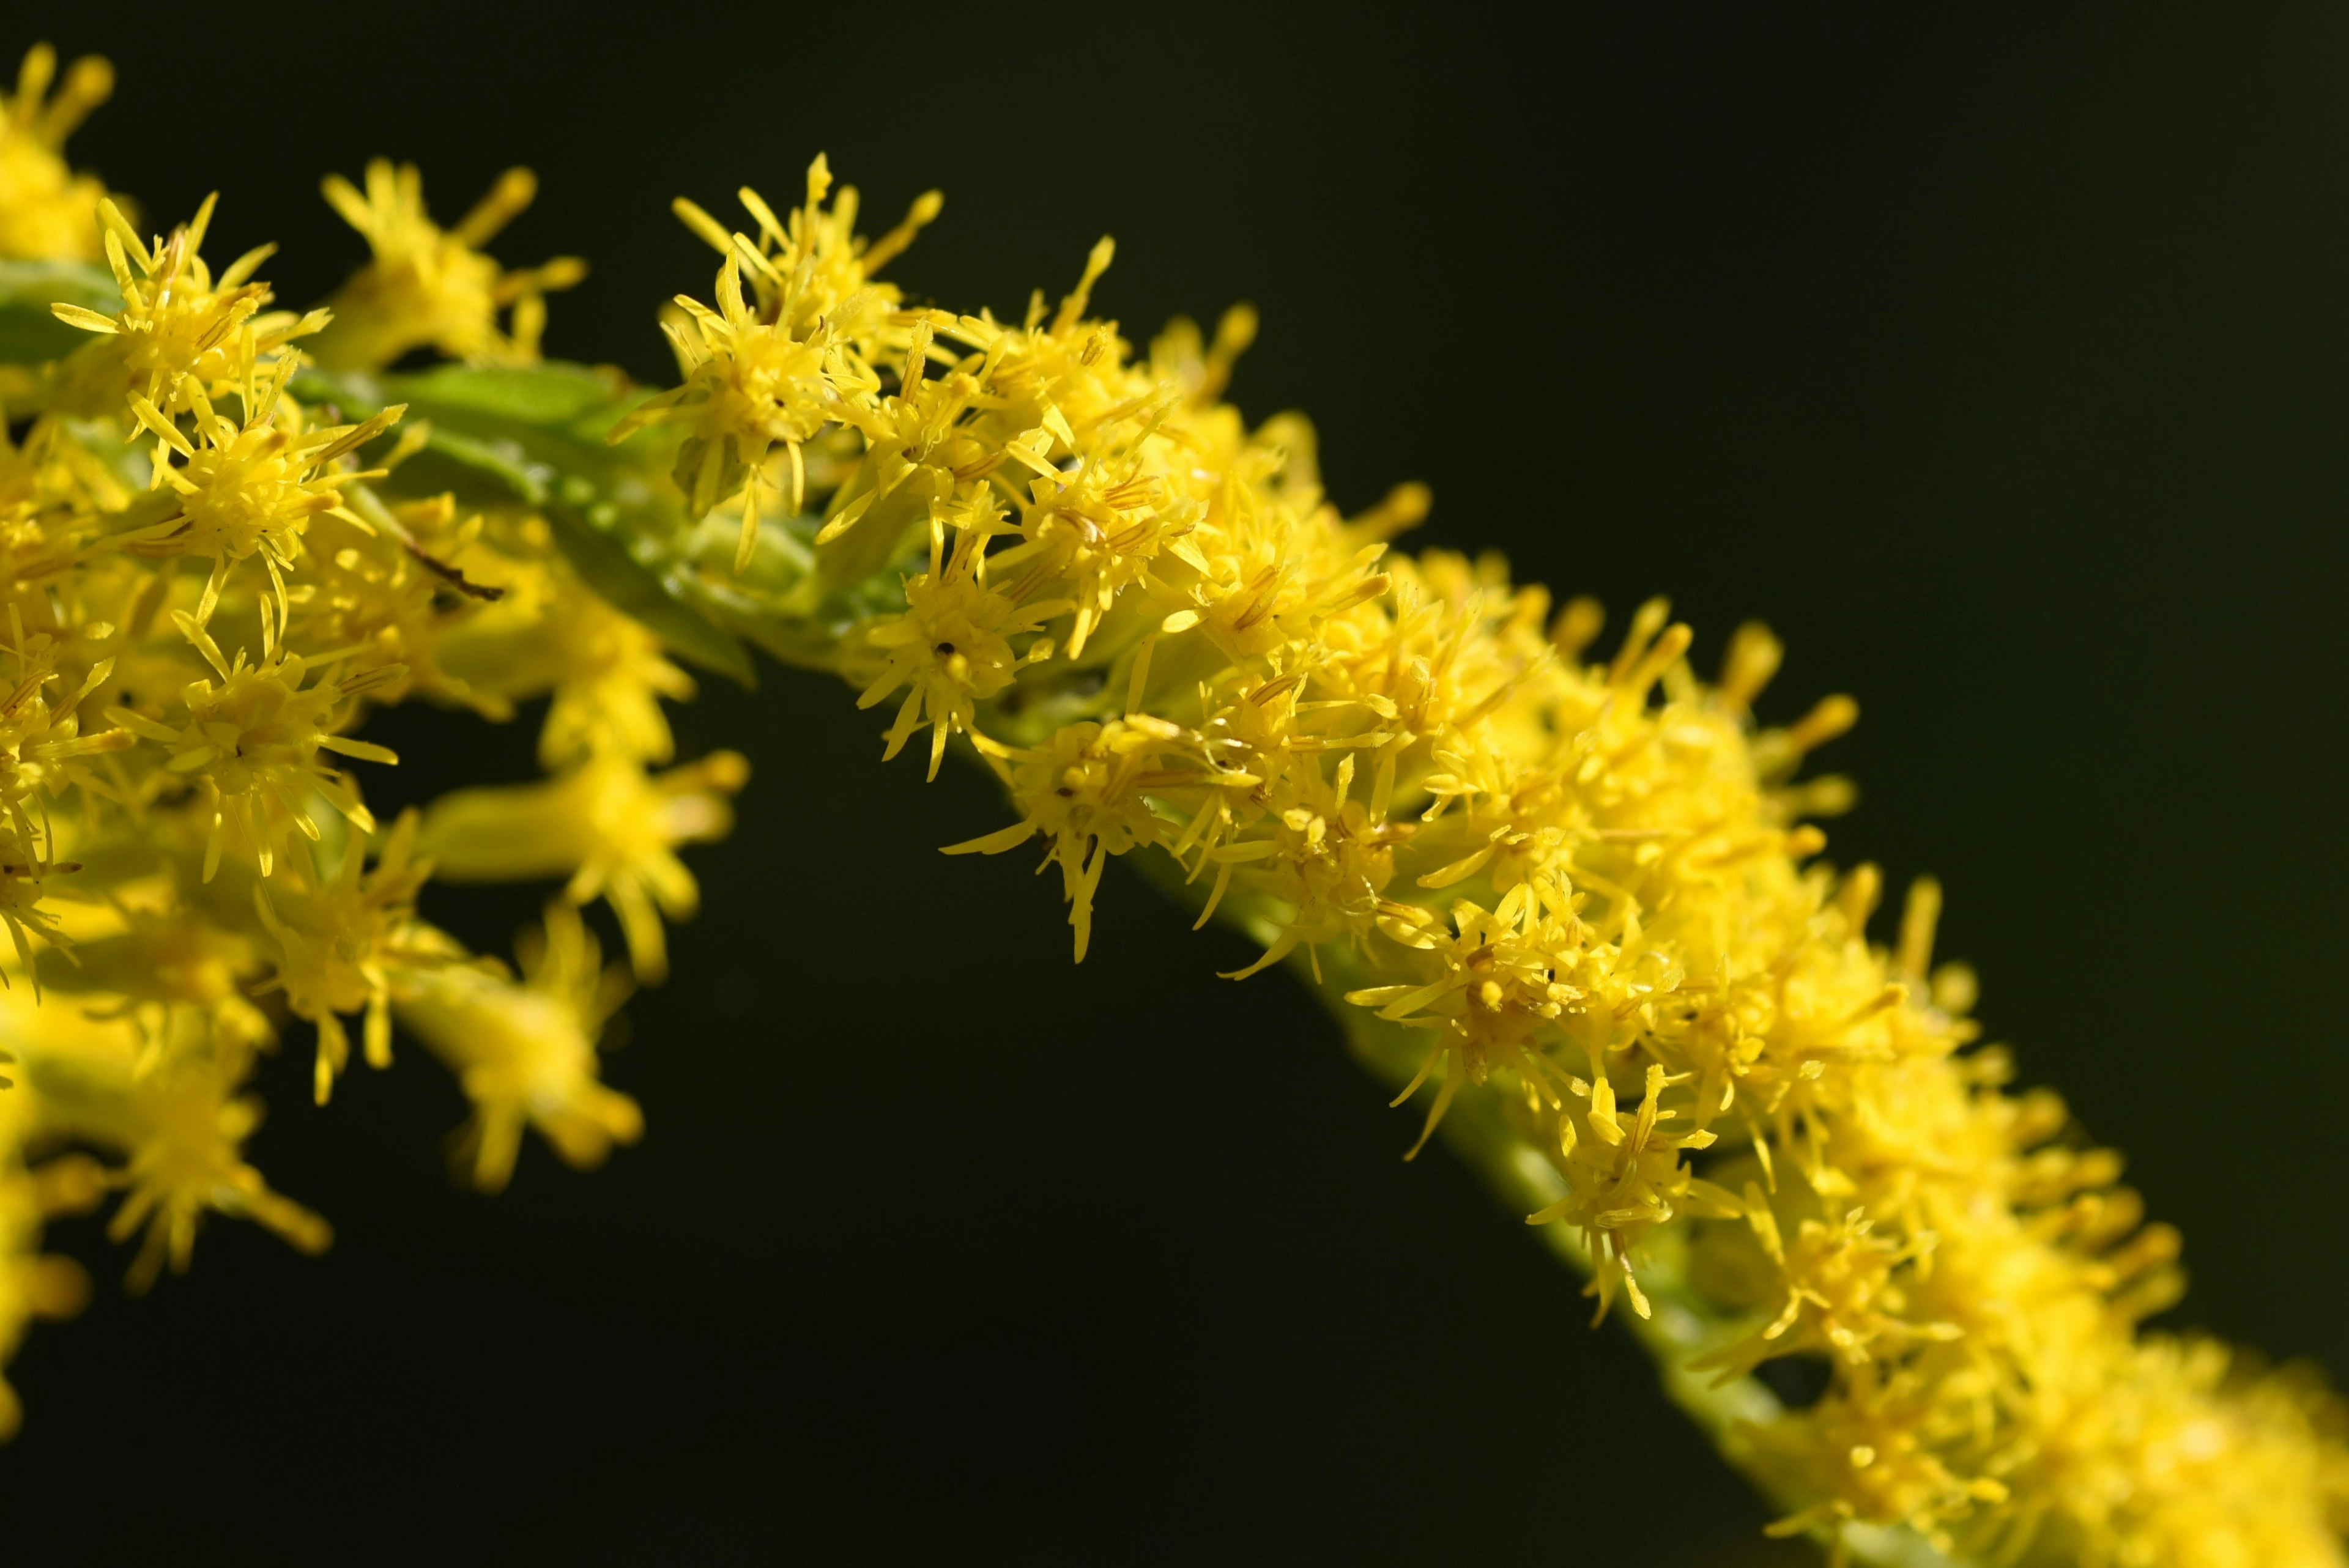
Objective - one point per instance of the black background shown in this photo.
(1995, 357)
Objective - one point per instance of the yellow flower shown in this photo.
(526, 1053)
(253, 742)
(179, 328)
(164, 959)
(252, 486)
(188, 1158)
(42, 751)
(175, 1119)
(24, 872)
(750, 385)
(343, 943)
(1495, 981)
(812, 262)
(1105, 523)
(428, 287)
(1088, 794)
(47, 212)
(388, 598)
(952, 646)
(606, 825)
(773, 371)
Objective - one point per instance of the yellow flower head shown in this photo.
(342, 942)
(47, 212)
(773, 369)
(545, 635)
(43, 750)
(429, 287)
(952, 647)
(162, 959)
(607, 826)
(190, 1160)
(607, 699)
(250, 486)
(388, 595)
(251, 741)
(525, 1053)
(23, 873)
(180, 329)
(1104, 524)
(177, 1114)
(1496, 982)
(751, 386)
(813, 263)
(1088, 792)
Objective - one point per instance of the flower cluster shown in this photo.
(1586, 885)
(1572, 899)
(211, 580)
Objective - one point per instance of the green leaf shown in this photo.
(659, 599)
(29, 333)
(536, 395)
(535, 434)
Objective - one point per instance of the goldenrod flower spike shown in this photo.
(1566, 895)
(1657, 1022)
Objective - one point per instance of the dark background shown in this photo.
(1995, 357)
